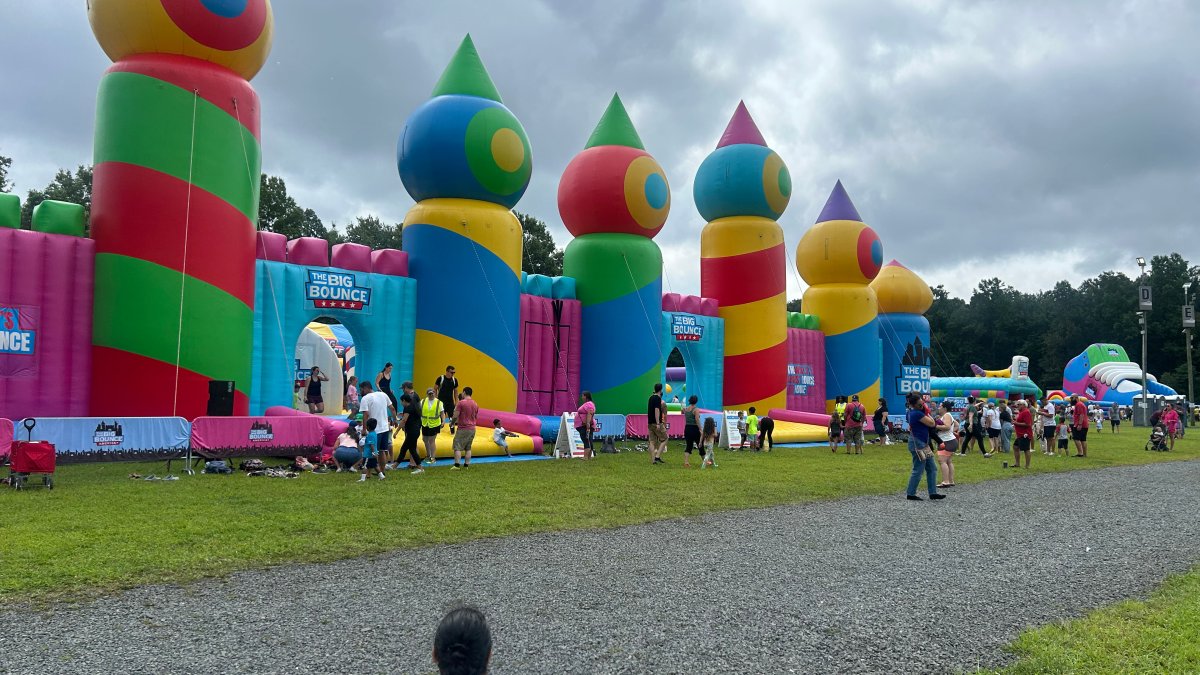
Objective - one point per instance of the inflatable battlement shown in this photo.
(313, 251)
(49, 217)
(689, 304)
(543, 286)
(804, 321)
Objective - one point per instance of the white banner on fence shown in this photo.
(569, 443)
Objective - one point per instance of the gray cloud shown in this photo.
(1029, 141)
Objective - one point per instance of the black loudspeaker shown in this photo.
(220, 398)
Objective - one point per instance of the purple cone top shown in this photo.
(741, 129)
(839, 206)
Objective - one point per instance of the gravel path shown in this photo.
(876, 584)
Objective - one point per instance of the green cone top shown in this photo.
(466, 75)
(615, 128)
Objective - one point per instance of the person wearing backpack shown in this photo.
(854, 416)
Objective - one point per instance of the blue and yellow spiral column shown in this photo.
(614, 199)
(465, 159)
(838, 257)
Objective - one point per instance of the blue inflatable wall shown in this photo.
(383, 326)
(701, 341)
(905, 358)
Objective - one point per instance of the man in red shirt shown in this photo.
(854, 417)
(465, 415)
(1023, 426)
(1079, 424)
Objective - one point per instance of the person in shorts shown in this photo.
(370, 453)
(500, 436)
(945, 426)
(741, 427)
(1079, 426)
(1023, 426)
(853, 417)
(465, 416)
(433, 416)
(656, 421)
(1063, 433)
(1046, 416)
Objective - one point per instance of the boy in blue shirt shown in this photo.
(371, 452)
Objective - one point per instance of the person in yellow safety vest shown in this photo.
(433, 416)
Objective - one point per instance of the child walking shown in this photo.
(370, 453)
(741, 424)
(708, 440)
(835, 431)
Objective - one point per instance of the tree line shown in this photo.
(1054, 326)
(279, 212)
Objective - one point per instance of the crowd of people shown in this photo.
(937, 434)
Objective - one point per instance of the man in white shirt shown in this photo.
(1046, 415)
(375, 405)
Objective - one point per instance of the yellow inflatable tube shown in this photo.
(794, 432)
(483, 446)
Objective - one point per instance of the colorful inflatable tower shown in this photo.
(838, 257)
(175, 201)
(741, 189)
(465, 159)
(903, 299)
(614, 199)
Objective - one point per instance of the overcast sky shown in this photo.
(1032, 141)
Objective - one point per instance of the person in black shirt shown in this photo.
(410, 422)
(656, 422)
(447, 392)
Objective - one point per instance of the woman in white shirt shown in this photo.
(946, 429)
(991, 420)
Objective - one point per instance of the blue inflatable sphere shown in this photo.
(742, 180)
(464, 147)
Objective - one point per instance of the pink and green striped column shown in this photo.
(174, 206)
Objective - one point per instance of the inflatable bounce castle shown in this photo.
(176, 300)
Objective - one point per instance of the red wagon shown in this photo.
(31, 457)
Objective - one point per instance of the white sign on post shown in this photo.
(1189, 316)
(1145, 300)
(730, 436)
(569, 443)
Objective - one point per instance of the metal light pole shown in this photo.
(1145, 329)
(1189, 321)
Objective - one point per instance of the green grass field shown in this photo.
(99, 531)
(1158, 635)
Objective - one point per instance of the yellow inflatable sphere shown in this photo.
(232, 33)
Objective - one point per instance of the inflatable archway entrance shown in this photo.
(701, 340)
(381, 317)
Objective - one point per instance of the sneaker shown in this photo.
(987, 454)
(914, 498)
(417, 471)
(937, 496)
(381, 476)
(389, 466)
(362, 478)
(454, 468)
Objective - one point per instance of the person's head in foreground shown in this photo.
(463, 644)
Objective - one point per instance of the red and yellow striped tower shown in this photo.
(741, 189)
(175, 201)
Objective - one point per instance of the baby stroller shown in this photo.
(1158, 439)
